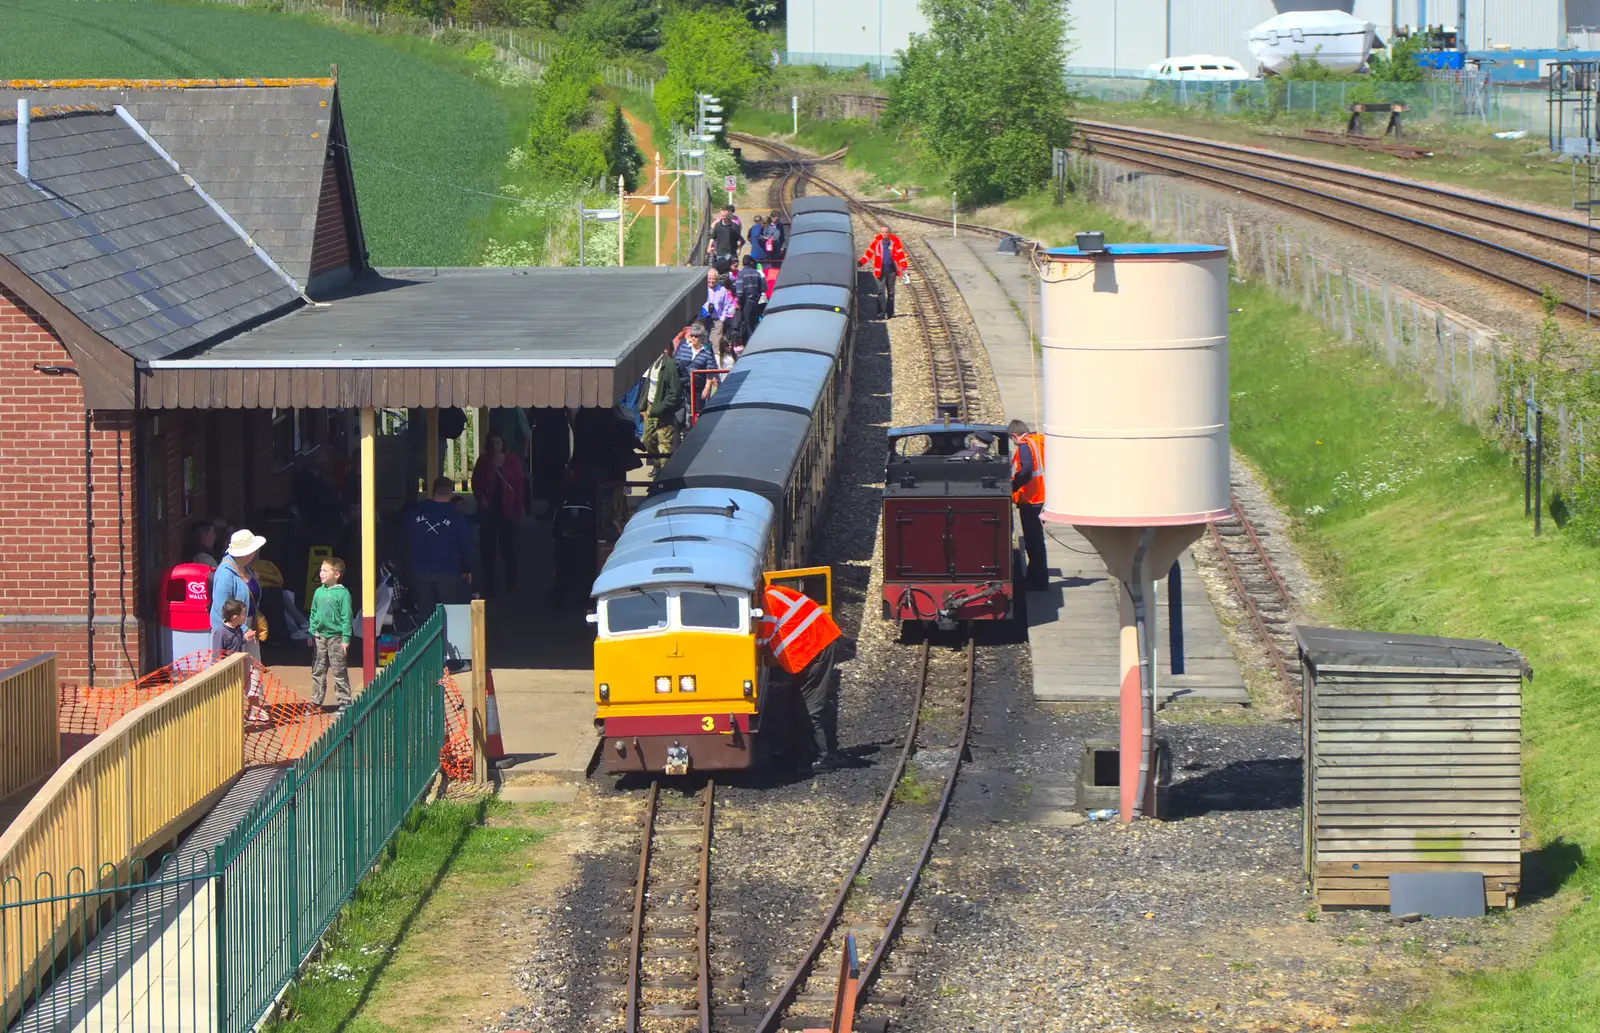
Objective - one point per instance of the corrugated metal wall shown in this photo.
(1217, 27)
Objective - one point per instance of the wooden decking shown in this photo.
(1073, 626)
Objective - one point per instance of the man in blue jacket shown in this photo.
(441, 549)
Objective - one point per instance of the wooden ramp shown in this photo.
(1072, 627)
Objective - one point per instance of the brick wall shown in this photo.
(43, 568)
(330, 247)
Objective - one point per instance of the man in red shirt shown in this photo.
(888, 258)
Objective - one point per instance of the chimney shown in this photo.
(22, 137)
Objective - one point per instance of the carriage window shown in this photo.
(637, 611)
(719, 610)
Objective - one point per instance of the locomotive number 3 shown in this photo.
(708, 724)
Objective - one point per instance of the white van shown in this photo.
(1200, 68)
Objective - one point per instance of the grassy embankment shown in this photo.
(431, 125)
(422, 131)
(1416, 523)
(413, 946)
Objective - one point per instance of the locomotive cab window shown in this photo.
(634, 611)
(705, 609)
(683, 609)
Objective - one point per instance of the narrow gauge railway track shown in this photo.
(867, 209)
(1495, 216)
(953, 378)
(1525, 272)
(670, 923)
(1261, 592)
(876, 891)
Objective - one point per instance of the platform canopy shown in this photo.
(497, 337)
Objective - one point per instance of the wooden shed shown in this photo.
(1413, 762)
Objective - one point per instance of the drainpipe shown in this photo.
(1141, 630)
(88, 529)
(24, 119)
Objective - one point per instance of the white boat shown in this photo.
(1339, 42)
(1199, 68)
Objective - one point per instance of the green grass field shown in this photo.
(1418, 525)
(423, 132)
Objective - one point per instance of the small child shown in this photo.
(230, 637)
(329, 628)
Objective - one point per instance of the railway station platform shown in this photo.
(1072, 626)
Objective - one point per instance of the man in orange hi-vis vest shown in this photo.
(800, 636)
(1027, 491)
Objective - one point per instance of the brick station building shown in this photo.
(187, 310)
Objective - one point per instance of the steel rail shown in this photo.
(636, 945)
(865, 207)
(703, 934)
(871, 968)
(770, 1020)
(1154, 160)
(1236, 578)
(1384, 184)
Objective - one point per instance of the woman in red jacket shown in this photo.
(497, 485)
(888, 258)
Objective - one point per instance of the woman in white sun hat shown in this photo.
(235, 579)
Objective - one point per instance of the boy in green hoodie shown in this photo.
(329, 628)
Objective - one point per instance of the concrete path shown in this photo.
(1072, 627)
(546, 720)
(154, 967)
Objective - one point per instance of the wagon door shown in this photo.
(980, 540)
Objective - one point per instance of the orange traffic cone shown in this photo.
(494, 746)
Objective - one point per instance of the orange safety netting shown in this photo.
(279, 724)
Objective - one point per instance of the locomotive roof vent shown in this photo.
(673, 570)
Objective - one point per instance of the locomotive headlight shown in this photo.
(749, 688)
(686, 683)
(663, 683)
(605, 691)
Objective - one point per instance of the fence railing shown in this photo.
(1462, 364)
(1500, 106)
(30, 743)
(117, 799)
(298, 854)
(877, 65)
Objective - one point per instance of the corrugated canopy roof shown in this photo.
(426, 337)
(109, 228)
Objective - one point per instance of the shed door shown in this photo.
(980, 540)
(918, 543)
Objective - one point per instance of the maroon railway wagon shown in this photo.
(948, 548)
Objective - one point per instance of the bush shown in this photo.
(616, 25)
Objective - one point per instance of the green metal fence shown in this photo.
(299, 853)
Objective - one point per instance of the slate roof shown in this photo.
(257, 146)
(112, 231)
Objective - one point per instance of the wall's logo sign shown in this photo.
(197, 590)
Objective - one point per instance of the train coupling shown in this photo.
(947, 619)
(677, 760)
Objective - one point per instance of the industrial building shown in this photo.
(1125, 36)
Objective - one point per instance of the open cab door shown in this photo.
(813, 582)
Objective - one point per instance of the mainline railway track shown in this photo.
(1288, 183)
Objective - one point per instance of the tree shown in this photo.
(709, 50)
(985, 89)
(616, 25)
(623, 156)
